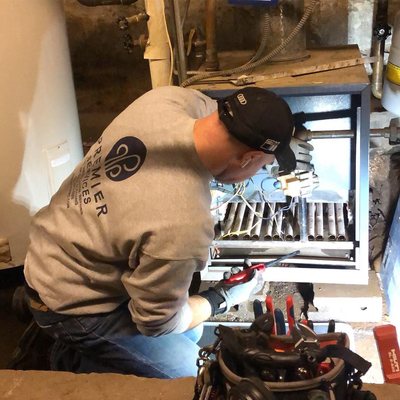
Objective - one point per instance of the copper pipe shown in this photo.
(211, 63)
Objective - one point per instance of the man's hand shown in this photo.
(301, 150)
(225, 295)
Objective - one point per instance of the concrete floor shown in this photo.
(11, 328)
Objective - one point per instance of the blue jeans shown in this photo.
(110, 342)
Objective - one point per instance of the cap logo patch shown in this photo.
(242, 99)
(270, 145)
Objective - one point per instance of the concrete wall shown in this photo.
(107, 78)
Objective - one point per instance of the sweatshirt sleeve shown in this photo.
(159, 294)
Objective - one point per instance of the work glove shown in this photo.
(301, 150)
(225, 295)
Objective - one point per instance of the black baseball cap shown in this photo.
(262, 120)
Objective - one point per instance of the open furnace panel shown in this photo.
(336, 249)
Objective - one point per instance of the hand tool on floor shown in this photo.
(389, 352)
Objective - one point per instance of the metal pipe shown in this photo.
(94, 3)
(302, 218)
(341, 231)
(277, 230)
(270, 221)
(381, 32)
(378, 50)
(344, 134)
(288, 226)
(319, 222)
(250, 219)
(211, 63)
(181, 55)
(295, 223)
(255, 232)
(157, 49)
(238, 221)
(331, 222)
(311, 221)
(230, 219)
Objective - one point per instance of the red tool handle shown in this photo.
(290, 313)
(389, 353)
(269, 303)
(245, 275)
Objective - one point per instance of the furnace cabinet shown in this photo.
(336, 251)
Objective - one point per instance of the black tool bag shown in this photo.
(246, 364)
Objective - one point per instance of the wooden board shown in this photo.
(351, 75)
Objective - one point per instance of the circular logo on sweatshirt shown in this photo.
(125, 158)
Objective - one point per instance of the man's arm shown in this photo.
(160, 302)
(201, 310)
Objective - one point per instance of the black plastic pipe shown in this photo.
(94, 3)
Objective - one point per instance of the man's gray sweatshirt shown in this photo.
(132, 222)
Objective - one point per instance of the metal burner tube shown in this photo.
(302, 218)
(288, 220)
(331, 222)
(341, 231)
(277, 230)
(319, 222)
(311, 221)
(238, 221)
(255, 232)
(270, 221)
(231, 218)
(250, 219)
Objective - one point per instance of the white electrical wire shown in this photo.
(171, 52)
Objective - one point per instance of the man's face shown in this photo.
(236, 172)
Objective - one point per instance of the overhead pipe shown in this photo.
(94, 3)
(381, 32)
(181, 54)
(157, 50)
(211, 62)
